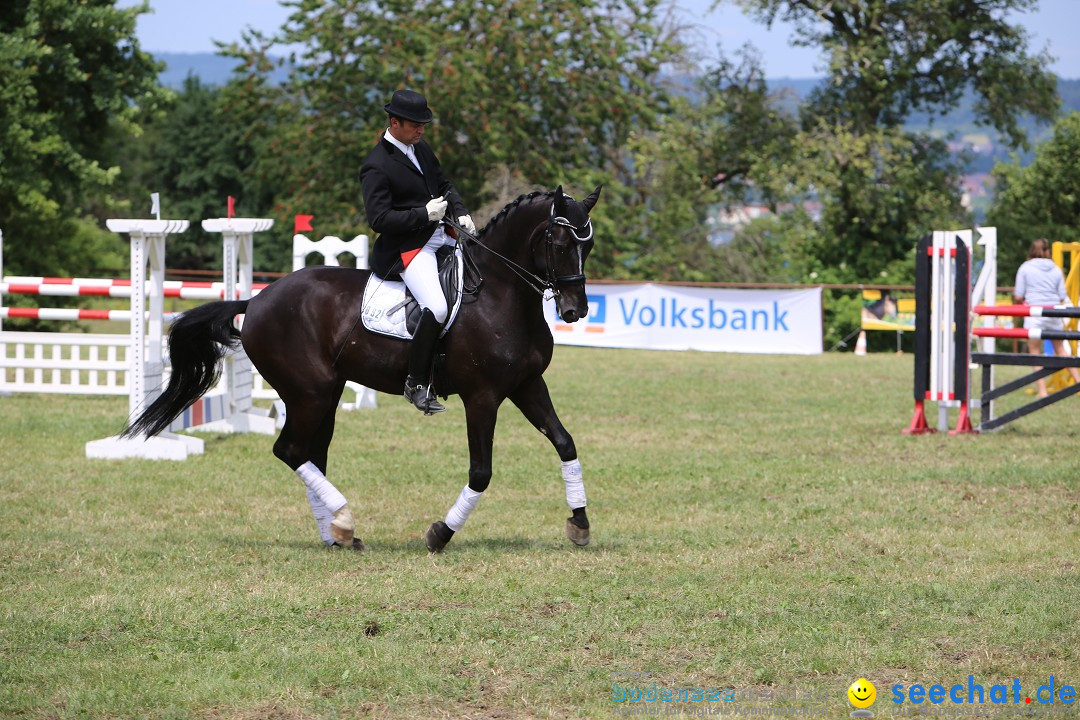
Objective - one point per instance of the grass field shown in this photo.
(758, 523)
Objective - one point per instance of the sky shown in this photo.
(193, 25)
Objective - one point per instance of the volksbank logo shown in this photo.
(594, 320)
(597, 308)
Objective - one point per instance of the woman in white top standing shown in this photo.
(1040, 282)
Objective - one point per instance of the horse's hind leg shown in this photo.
(534, 401)
(303, 445)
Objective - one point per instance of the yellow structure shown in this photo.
(1067, 257)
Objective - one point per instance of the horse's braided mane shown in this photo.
(513, 205)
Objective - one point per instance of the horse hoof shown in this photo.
(578, 535)
(341, 536)
(357, 545)
(437, 536)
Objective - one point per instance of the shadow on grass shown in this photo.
(506, 545)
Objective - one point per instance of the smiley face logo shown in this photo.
(862, 693)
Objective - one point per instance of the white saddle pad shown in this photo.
(384, 304)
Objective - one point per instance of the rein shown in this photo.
(538, 284)
(533, 280)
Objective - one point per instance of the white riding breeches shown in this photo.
(422, 275)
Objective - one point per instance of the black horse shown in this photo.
(302, 334)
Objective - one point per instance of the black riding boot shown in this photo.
(417, 389)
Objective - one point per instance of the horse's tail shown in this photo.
(198, 341)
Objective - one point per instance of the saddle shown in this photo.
(388, 308)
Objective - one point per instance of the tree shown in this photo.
(665, 181)
(195, 155)
(652, 217)
(540, 87)
(73, 74)
(1041, 200)
(879, 187)
(890, 58)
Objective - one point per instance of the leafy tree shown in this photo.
(73, 75)
(663, 184)
(743, 125)
(880, 188)
(194, 153)
(774, 248)
(537, 86)
(1041, 200)
(890, 58)
(877, 193)
(653, 210)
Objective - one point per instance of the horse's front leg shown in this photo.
(534, 401)
(480, 415)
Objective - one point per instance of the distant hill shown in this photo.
(210, 68)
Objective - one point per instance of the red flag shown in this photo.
(232, 206)
(303, 224)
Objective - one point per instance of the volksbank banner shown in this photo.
(668, 317)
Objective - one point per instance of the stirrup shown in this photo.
(423, 398)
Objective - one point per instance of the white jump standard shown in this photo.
(230, 411)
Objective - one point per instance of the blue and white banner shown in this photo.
(670, 317)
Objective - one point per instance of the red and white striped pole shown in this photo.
(1026, 333)
(1056, 311)
(94, 287)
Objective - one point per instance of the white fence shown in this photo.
(66, 363)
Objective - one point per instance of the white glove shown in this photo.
(466, 222)
(436, 208)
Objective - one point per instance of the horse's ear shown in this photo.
(560, 201)
(593, 197)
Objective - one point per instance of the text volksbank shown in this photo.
(670, 313)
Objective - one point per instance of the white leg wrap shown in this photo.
(323, 517)
(575, 487)
(317, 483)
(463, 507)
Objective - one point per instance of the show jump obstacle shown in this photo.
(228, 411)
(135, 364)
(944, 333)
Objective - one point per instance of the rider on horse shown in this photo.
(406, 197)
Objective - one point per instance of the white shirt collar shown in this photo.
(395, 142)
(408, 150)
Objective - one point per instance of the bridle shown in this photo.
(582, 235)
(557, 281)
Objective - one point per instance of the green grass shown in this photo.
(757, 522)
